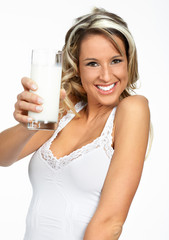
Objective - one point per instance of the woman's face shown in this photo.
(102, 69)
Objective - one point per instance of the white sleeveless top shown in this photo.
(66, 191)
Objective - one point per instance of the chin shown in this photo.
(109, 101)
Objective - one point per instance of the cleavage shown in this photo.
(73, 137)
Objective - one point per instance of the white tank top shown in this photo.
(66, 191)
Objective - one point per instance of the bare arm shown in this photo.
(130, 143)
(18, 142)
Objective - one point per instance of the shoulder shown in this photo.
(132, 105)
(133, 102)
(132, 116)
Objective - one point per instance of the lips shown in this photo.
(106, 89)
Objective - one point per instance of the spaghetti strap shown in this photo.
(104, 141)
(67, 118)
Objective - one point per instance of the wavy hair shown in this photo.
(98, 21)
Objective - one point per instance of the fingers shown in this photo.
(22, 115)
(62, 94)
(21, 111)
(29, 84)
(22, 118)
(29, 97)
(25, 106)
(29, 101)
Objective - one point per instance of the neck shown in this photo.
(94, 111)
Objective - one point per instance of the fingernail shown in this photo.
(29, 119)
(34, 87)
(39, 108)
(40, 101)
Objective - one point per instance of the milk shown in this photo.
(48, 79)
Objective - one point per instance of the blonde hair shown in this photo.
(98, 21)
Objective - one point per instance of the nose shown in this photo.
(105, 74)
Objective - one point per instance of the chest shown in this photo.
(75, 135)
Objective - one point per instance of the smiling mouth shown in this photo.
(106, 88)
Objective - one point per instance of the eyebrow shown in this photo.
(95, 59)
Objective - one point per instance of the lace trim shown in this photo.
(66, 119)
(104, 141)
(63, 161)
(107, 138)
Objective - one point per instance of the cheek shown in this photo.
(125, 80)
(83, 78)
(124, 72)
(124, 75)
(87, 77)
(85, 83)
(121, 73)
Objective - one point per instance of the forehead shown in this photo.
(99, 43)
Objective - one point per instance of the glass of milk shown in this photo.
(46, 71)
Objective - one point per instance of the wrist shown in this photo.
(27, 132)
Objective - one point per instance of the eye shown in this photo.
(92, 64)
(115, 61)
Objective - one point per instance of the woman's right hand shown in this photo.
(29, 101)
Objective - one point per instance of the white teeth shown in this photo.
(106, 88)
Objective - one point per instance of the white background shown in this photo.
(25, 25)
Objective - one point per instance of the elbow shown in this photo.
(113, 232)
(103, 231)
(116, 231)
(114, 228)
(6, 163)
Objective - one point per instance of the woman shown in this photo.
(85, 174)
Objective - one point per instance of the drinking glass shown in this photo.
(46, 70)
